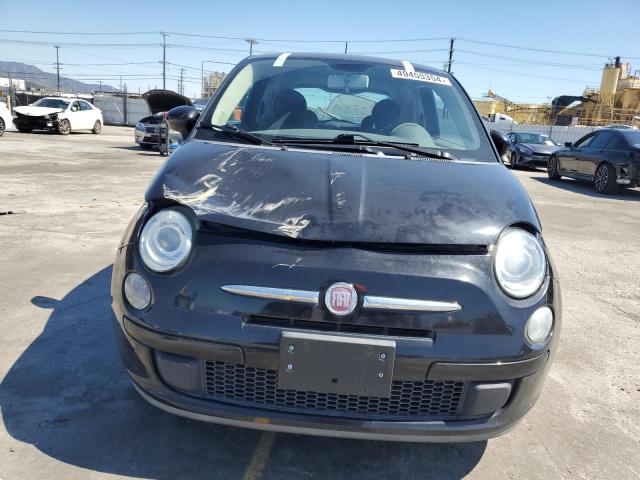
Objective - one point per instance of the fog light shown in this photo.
(137, 291)
(539, 327)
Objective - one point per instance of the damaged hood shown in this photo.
(343, 197)
(164, 100)
(32, 111)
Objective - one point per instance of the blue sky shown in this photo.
(586, 26)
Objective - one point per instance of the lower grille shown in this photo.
(257, 387)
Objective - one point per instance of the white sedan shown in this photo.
(63, 115)
(5, 118)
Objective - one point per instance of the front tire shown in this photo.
(553, 169)
(64, 127)
(513, 160)
(97, 127)
(604, 180)
(2, 127)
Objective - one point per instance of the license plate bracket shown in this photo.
(338, 364)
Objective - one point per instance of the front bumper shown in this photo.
(36, 122)
(533, 159)
(144, 354)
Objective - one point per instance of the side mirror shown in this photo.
(182, 119)
(500, 140)
(568, 144)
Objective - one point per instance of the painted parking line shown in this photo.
(260, 456)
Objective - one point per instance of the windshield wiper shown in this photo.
(235, 132)
(349, 139)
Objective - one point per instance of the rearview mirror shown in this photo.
(347, 82)
(568, 144)
(182, 119)
(500, 140)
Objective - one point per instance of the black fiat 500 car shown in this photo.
(330, 252)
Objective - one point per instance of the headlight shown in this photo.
(525, 149)
(539, 326)
(166, 240)
(137, 291)
(140, 127)
(520, 263)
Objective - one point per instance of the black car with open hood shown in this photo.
(336, 249)
(149, 132)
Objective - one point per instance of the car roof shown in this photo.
(533, 133)
(337, 57)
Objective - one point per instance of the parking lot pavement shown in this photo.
(68, 411)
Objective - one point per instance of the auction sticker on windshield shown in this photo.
(420, 76)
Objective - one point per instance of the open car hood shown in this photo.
(341, 197)
(164, 100)
(33, 111)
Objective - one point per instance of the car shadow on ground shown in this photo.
(68, 396)
(139, 151)
(586, 188)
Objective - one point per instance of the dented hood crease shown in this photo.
(334, 197)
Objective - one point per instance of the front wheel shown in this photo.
(553, 169)
(64, 127)
(513, 160)
(97, 127)
(605, 179)
(2, 127)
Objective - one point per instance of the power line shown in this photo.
(401, 51)
(77, 33)
(531, 75)
(78, 44)
(543, 50)
(521, 60)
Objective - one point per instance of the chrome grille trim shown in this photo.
(408, 304)
(368, 302)
(285, 294)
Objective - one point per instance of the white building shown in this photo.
(17, 83)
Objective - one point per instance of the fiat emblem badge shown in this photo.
(341, 298)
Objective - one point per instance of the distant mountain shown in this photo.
(35, 77)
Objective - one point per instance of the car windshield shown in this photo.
(316, 99)
(535, 138)
(52, 103)
(633, 137)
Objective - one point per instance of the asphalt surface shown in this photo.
(68, 411)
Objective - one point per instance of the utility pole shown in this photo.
(181, 86)
(450, 54)
(252, 42)
(58, 65)
(10, 92)
(164, 60)
(346, 47)
(100, 82)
